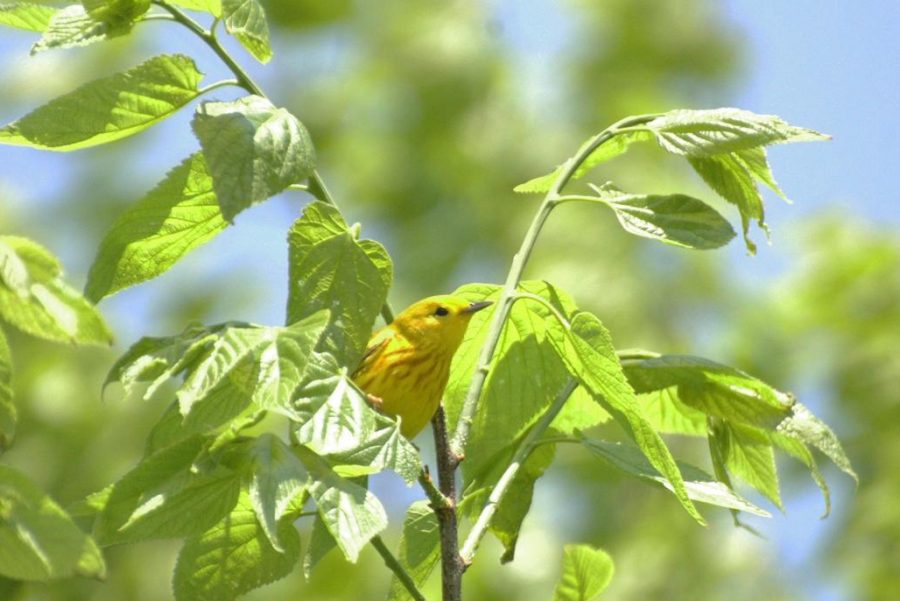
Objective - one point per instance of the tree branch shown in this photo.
(452, 565)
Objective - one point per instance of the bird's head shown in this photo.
(438, 321)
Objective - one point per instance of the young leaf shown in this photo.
(38, 540)
(747, 453)
(702, 133)
(338, 423)
(71, 26)
(174, 218)
(24, 15)
(756, 162)
(352, 514)
(34, 298)
(277, 476)
(802, 425)
(7, 408)
(213, 7)
(586, 573)
(419, 548)
(164, 498)
(675, 219)
(233, 557)
(589, 355)
(330, 269)
(799, 451)
(109, 109)
(246, 21)
(253, 149)
(701, 486)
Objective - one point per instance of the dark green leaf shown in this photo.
(34, 298)
(419, 548)
(330, 269)
(111, 108)
(7, 408)
(233, 557)
(246, 21)
(586, 573)
(38, 540)
(24, 15)
(701, 486)
(174, 218)
(253, 149)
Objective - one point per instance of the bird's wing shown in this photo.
(376, 342)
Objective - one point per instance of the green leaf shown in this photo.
(178, 215)
(163, 497)
(701, 486)
(526, 368)
(246, 21)
(588, 352)
(109, 109)
(702, 385)
(277, 476)
(756, 162)
(253, 149)
(731, 180)
(213, 7)
(38, 540)
(24, 15)
(802, 425)
(320, 544)
(352, 514)
(90, 21)
(419, 548)
(675, 219)
(799, 451)
(669, 415)
(747, 453)
(7, 407)
(586, 573)
(266, 364)
(330, 269)
(337, 422)
(34, 298)
(612, 148)
(702, 133)
(233, 557)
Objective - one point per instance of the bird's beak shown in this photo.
(477, 306)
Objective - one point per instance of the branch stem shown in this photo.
(452, 565)
(391, 562)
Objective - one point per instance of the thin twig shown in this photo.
(391, 562)
(500, 489)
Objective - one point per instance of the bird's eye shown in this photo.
(441, 311)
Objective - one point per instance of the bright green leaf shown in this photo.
(701, 486)
(253, 149)
(70, 27)
(419, 548)
(352, 514)
(7, 408)
(330, 269)
(586, 573)
(178, 215)
(246, 21)
(747, 453)
(756, 162)
(675, 219)
(213, 7)
(111, 108)
(24, 15)
(588, 352)
(34, 298)
(337, 422)
(233, 557)
(802, 425)
(38, 540)
(277, 476)
(702, 133)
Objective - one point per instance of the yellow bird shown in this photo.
(407, 363)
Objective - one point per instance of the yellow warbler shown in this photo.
(407, 363)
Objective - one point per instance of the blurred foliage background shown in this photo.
(425, 115)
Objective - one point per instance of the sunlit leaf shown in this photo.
(174, 218)
(807, 428)
(110, 108)
(213, 7)
(586, 573)
(234, 556)
(748, 454)
(25, 15)
(246, 21)
(7, 408)
(38, 540)
(253, 150)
